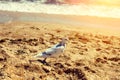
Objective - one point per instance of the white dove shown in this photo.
(54, 51)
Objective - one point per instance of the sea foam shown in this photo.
(81, 9)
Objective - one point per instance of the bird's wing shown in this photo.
(51, 51)
(55, 46)
(54, 50)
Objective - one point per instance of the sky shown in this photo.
(99, 2)
(112, 2)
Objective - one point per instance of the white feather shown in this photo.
(54, 51)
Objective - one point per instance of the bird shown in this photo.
(54, 51)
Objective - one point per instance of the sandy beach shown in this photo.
(92, 51)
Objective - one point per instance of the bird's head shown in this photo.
(64, 40)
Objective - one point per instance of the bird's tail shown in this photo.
(38, 55)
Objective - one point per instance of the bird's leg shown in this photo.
(44, 61)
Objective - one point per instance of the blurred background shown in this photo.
(101, 2)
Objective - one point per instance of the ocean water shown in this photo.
(81, 9)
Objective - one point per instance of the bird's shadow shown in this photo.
(43, 62)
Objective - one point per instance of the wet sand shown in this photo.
(100, 25)
(92, 53)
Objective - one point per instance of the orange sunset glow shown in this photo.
(108, 2)
(99, 2)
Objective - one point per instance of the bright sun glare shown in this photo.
(108, 2)
(103, 2)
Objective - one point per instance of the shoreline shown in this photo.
(90, 22)
(16, 16)
(62, 19)
(99, 25)
(65, 9)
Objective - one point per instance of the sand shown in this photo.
(92, 52)
(89, 55)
